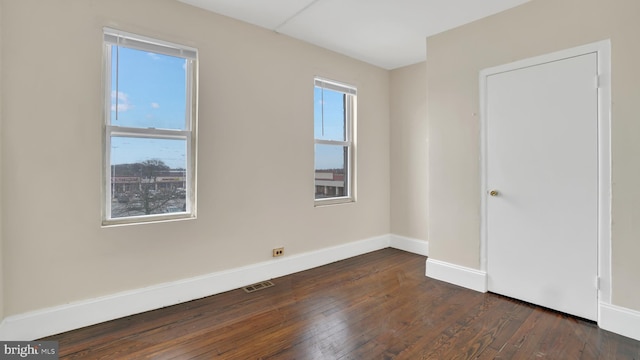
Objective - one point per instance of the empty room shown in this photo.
(319, 179)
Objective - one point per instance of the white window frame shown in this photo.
(143, 43)
(350, 135)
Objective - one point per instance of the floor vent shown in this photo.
(258, 286)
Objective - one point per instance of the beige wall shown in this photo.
(408, 99)
(541, 26)
(255, 151)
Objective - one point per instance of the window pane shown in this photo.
(147, 176)
(148, 90)
(329, 115)
(331, 177)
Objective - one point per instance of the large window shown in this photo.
(334, 118)
(150, 122)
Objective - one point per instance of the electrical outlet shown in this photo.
(278, 252)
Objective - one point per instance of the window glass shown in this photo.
(148, 176)
(329, 115)
(147, 89)
(331, 173)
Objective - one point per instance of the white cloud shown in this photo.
(154, 56)
(122, 101)
(155, 105)
(121, 95)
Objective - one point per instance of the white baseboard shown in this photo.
(75, 315)
(55, 320)
(620, 320)
(420, 247)
(458, 275)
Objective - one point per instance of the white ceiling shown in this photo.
(386, 33)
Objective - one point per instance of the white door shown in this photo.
(542, 159)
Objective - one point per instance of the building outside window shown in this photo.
(150, 123)
(334, 133)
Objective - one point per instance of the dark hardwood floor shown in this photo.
(375, 306)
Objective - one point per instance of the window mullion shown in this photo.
(150, 133)
(332, 142)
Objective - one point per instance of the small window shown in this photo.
(334, 118)
(150, 138)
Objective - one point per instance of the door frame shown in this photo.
(603, 81)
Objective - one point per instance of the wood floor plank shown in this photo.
(375, 306)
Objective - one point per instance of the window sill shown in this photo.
(333, 201)
(148, 219)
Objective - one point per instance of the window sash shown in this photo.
(348, 179)
(189, 174)
(149, 132)
(190, 106)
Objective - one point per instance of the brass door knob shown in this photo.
(493, 193)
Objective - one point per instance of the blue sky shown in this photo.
(332, 126)
(328, 124)
(148, 90)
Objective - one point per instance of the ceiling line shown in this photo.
(294, 15)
